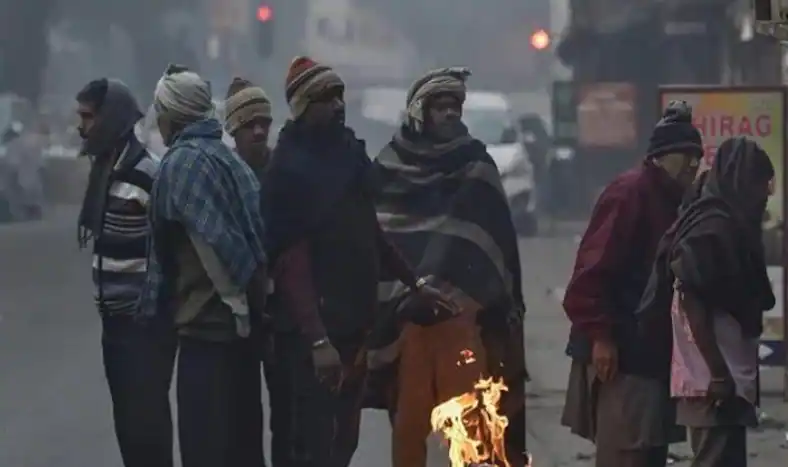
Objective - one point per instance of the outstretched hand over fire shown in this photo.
(429, 297)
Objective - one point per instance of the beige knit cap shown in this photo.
(244, 103)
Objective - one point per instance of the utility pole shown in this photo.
(770, 18)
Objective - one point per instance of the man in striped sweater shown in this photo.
(138, 358)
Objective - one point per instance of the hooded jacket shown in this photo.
(116, 202)
(106, 144)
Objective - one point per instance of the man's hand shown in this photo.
(243, 325)
(428, 296)
(328, 364)
(721, 390)
(604, 357)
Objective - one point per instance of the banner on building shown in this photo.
(759, 113)
(606, 115)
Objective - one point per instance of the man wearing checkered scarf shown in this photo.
(207, 273)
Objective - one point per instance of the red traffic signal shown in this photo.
(264, 13)
(540, 40)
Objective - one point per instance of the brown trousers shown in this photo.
(429, 374)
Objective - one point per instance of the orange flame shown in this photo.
(471, 424)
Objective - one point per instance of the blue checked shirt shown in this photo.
(203, 186)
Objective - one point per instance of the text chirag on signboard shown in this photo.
(759, 113)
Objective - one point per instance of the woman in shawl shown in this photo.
(711, 274)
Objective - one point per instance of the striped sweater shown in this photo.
(120, 252)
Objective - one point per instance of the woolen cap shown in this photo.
(675, 132)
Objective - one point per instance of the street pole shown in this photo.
(779, 31)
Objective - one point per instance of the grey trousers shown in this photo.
(630, 419)
(719, 446)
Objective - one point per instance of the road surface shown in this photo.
(54, 406)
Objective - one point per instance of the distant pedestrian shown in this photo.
(208, 274)
(138, 358)
(615, 398)
(25, 161)
(710, 276)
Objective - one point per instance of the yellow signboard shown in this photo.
(757, 113)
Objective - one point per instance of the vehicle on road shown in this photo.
(489, 118)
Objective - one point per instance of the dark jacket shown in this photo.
(614, 261)
(321, 199)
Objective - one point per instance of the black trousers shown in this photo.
(719, 446)
(138, 364)
(312, 426)
(220, 409)
(515, 434)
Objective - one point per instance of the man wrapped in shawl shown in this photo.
(208, 273)
(707, 296)
(443, 206)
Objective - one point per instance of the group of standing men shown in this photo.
(666, 303)
(332, 270)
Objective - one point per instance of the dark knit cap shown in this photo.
(675, 133)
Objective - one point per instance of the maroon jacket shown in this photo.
(293, 274)
(615, 256)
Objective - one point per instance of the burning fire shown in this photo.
(471, 424)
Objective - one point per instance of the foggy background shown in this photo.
(54, 405)
(51, 47)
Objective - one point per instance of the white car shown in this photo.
(489, 118)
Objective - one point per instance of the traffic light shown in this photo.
(264, 30)
(540, 40)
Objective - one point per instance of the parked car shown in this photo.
(489, 118)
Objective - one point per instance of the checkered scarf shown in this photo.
(203, 186)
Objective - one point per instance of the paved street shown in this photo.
(54, 407)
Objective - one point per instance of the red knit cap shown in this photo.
(305, 78)
(298, 67)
